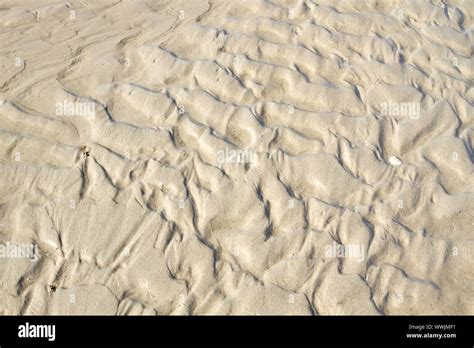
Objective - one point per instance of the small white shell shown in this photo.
(395, 161)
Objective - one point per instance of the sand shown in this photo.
(236, 157)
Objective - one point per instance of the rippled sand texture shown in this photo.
(240, 157)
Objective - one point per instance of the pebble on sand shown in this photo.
(395, 161)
